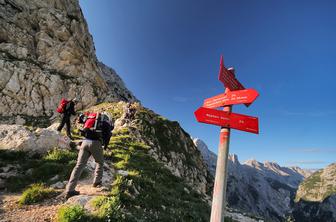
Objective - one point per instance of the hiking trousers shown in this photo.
(88, 148)
(65, 121)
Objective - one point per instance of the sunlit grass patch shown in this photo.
(36, 193)
(73, 213)
(37, 168)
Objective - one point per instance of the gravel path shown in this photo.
(46, 211)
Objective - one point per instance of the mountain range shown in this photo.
(277, 193)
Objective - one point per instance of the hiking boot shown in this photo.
(71, 194)
(98, 184)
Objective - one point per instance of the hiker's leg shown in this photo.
(97, 153)
(82, 159)
(68, 127)
(60, 127)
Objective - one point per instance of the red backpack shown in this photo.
(62, 105)
(91, 121)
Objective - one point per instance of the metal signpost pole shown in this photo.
(219, 192)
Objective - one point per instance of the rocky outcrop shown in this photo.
(41, 140)
(263, 189)
(170, 145)
(311, 211)
(116, 86)
(316, 196)
(47, 52)
(209, 157)
(319, 185)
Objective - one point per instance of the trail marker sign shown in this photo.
(235, 93)
(246, 96)
(227, 77)
(227, 119)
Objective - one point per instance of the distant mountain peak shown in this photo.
(254, 163)
(234, 158)
(264, 189)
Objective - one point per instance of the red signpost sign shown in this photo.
(228, 78)
(246, 96)
(235, 93)
(227, 119)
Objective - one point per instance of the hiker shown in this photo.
(129, 111)
(108, 125)
(66, 108)
(97, 133)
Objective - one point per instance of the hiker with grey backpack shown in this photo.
(97, 131)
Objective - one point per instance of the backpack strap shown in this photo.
(96, 121)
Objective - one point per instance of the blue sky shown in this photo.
(167, 53)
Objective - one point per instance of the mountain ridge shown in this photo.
(264, 189)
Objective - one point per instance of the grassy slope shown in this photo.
(150, 192)
(37, 168)
(312, 185)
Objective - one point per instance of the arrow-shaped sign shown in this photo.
(226, 119)
(228, 78)
(246, 96)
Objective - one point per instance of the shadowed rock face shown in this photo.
(310, 211)
(47, 52)
(316, 196)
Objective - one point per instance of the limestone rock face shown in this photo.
(47, 52)
(209, 157)
(18, 137)
(319, 185)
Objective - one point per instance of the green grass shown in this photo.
(114, 109)
(42, 168)
(312, 186)
(313, 181)
(36, 193)
(74, 213)
(60, 156)
(168, 134)
(150, 192)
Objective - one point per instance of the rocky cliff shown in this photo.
(209, 157)
(263, 189)
(316, 196)
(320, 185)
(47, 52)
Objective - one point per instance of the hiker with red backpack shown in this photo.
(97, 131)
(66, 108)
